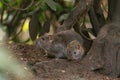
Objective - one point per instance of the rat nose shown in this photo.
(37, 44)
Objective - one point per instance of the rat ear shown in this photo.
(50, 37)
(78, 46)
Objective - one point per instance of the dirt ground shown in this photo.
(45, 68)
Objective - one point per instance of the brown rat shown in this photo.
(75, 50)
(56, 44)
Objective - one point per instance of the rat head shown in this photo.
(44, 42)
(52, 44)
(74, 50)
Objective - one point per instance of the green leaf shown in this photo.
(33, 26)
(1, 4)
(63, 17)
(18, 1)
(46, 27)
(43, 6)
(59, 8)
(51, 4)
(42, 17)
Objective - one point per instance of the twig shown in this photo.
(82, 7)
(21, 9)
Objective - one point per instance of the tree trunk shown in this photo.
(81, 8)
(104, 54)
(96, 16)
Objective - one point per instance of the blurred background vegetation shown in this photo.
(24, 20)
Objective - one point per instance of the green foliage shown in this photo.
(34, 25)
(1, 5)
(18, 11)
(51, 4)
(59, 7)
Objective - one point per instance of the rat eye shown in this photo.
(43, 39)
(74, 52)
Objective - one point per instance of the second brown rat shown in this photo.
(75, 50)
(55, 45)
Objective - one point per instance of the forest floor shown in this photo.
(45, 68)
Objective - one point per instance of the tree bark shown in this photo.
(96, 16)
(81, 8)
(99, 12)
(116, 11)
(105, 51)
(94, 21)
